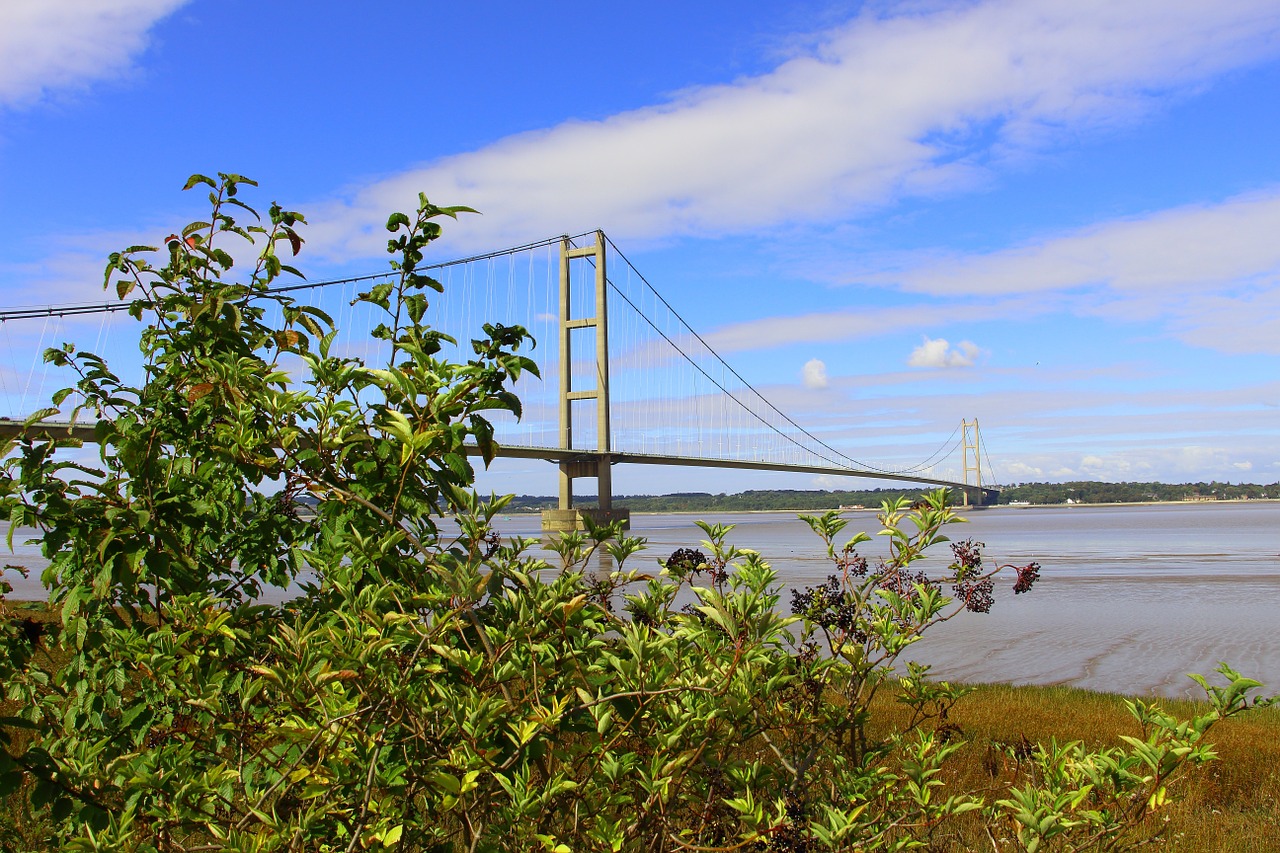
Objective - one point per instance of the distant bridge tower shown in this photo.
(598, 464)
(972, 438)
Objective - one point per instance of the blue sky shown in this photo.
(1059, 216)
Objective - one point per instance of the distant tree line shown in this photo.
(1093, 493)
(765, 499)
(818, 499)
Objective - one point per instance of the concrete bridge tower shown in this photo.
(600, 463)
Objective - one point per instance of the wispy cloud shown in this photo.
(1208, 271)
(862, 323)
(1065, 428)
(71, 270)
(1179, 249)
(900, 103)
(55, 45)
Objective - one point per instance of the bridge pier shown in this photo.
(569, 517)
(976, 497)
(564, 520)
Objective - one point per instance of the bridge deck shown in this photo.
(85, 432)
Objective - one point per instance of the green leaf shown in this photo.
(398, 425)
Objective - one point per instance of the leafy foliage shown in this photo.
(432, 687)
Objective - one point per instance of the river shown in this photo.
(1131, 597)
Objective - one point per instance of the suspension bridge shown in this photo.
(629, 381)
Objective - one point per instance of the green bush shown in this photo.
(441, 691)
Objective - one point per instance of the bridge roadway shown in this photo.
(557, 455)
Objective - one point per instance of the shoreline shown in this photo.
(984, 508)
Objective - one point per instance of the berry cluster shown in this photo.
(977, 595)
(826, 605)
(686, 561)
(1027, 575)
(794, 835)
(600, 590)
(906, 584)
(492, 543)
(851, 562)
(967, 558)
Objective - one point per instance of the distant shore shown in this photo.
(1138, 503)
(872, 509)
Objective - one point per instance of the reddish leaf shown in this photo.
(195, 392)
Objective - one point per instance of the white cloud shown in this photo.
(937, 352)
(1021, 472)
(49, 45)
(1169, 462)
(814, 374)
(886, 105)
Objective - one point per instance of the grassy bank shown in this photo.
(1226, 807)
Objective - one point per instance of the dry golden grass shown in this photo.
(1228, 806)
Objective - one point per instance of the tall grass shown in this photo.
(1230, 806)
